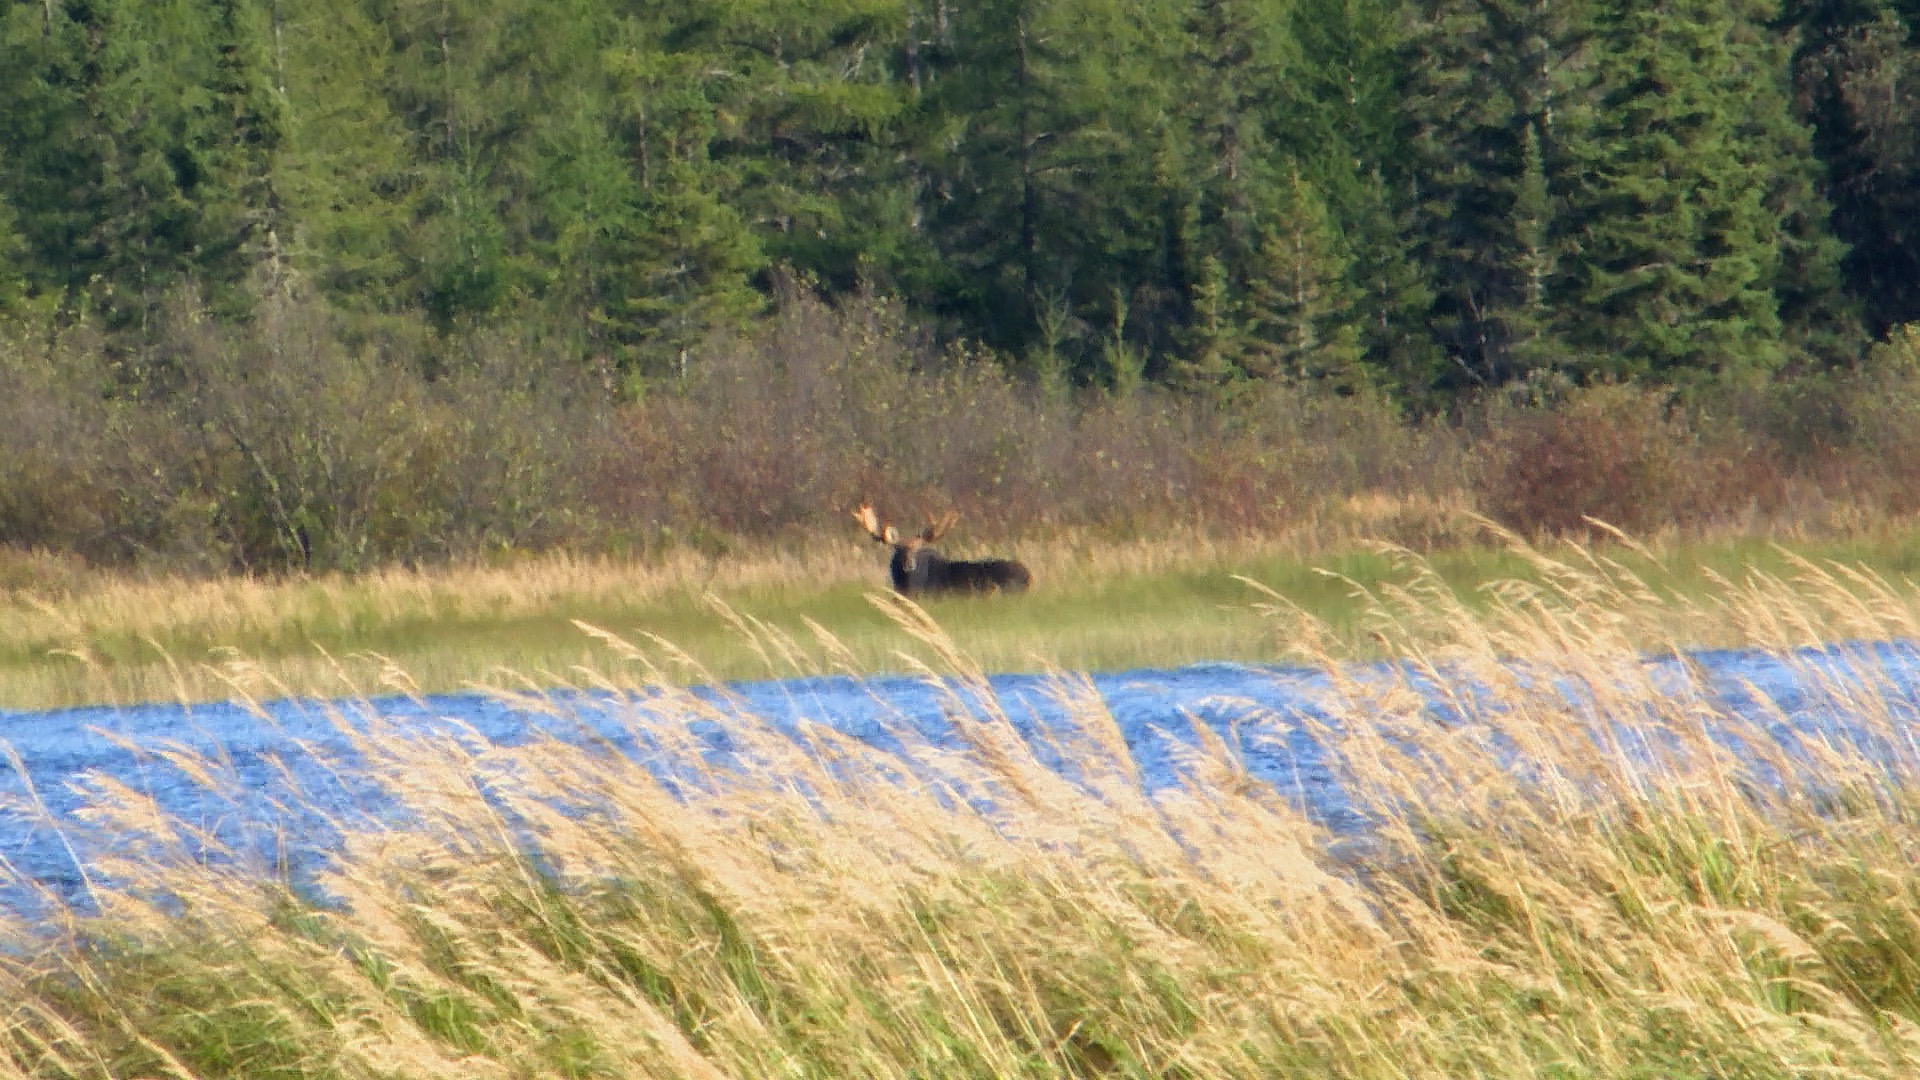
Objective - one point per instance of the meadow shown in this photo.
(1644, 897)
(72, 638)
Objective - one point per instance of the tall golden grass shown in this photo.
(80, 638)
(1634, 899)
(70, 637)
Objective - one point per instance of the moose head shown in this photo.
(917, 568)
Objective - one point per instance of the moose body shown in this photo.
(916, 568)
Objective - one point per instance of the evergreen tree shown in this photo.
(1042, 191)
(42, 158)
(1854, 69)
(1445, 192)
(1299, 305)
(1238, 60)
(1676, 197)
(139, 140)
(460, 83)
(242, 203)
(13, 261)
(817, 134)
(349, 177)
(1528, 323)
(680, 261)
(1214, 344)
(1494, 87)
(1342, 120)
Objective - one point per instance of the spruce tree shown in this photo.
(1043, 188)
(243, 204)
(1341, 119)
(1855, 68)
(1239, 55)
(45, 159)
(13, 259)
(140, 140)
(1298, 310)
(1213, 346)
(1495, 86)
(350, 176)
(1678, 199)
(679, 261)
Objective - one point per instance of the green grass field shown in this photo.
(1098, 606)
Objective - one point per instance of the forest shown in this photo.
(325, 286)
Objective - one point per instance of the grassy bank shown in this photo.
(1680, 912)
(1099, 605)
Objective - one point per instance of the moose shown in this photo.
(917, 568)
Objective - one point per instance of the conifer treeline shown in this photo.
(1426, 195)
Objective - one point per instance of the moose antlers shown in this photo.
(870, 521)
(918, 568)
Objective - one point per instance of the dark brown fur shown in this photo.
(916, 568)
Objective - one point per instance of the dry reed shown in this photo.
(1577, 863)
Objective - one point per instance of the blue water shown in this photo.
(288, 780)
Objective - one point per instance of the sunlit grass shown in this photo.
(1638, 900)
(1099, 605)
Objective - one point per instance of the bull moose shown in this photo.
(917, 568)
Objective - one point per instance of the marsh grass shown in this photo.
(70, 638)
(1587, 870)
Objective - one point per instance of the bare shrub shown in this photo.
(89, 472)
(1855, 432)
(828, 408)
(511, 444)
(48, 496)
(823, 410)
(1618, 454)
(1281, 454)
(307, 439)
(331, 455)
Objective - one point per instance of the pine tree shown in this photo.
(349, 176)
(1299, 306)
(1854, 68)
(1494, 87)
(1681, 235)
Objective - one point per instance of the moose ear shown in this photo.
(890, 535)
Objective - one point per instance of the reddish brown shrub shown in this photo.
(1617, 454)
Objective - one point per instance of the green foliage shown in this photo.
(1497, 101)
(1851, 60)
(13, 276)
(1682, 243)
(1048, 189)
(1475, 191)
(1300, 310)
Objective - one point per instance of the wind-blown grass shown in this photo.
(1098, 605)
(1570, 877)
